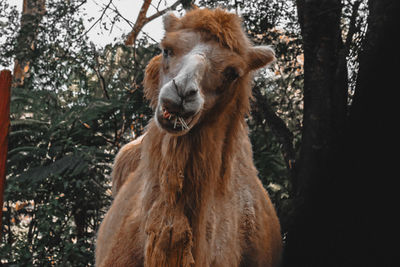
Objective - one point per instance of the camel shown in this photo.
(187, 192)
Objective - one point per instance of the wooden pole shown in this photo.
(5, 88)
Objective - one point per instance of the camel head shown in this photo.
(206, 58)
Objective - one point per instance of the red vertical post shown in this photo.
(5, 88)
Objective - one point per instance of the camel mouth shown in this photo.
(174, 123)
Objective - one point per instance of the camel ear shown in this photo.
(260, 56)
(151, 80)
(171, 22)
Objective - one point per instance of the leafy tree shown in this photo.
(76, 107)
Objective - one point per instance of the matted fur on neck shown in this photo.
(187, 169)
(201, 156)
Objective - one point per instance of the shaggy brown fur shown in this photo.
(126, 162)
(195, 199)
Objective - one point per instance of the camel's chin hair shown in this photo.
(168, 131)
(169, 126)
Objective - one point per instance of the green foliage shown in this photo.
(78, 105)
(9, 25)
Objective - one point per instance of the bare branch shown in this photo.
(158, 5)
(100, 18)
(162, 12)
(100, 77)
(114, 8)
(142, 20)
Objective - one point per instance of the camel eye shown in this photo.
(230, 73)
(167, 52)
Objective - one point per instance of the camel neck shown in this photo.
(185, 165)
(185, 174)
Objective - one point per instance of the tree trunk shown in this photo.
(324, 91)
(310, 239)
(370, 192)
(5, 86)
(342, 216)
(32, 13)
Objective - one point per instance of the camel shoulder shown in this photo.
(126, 162)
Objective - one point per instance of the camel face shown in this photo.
(181, 97)
(193, 69)
(199, 69)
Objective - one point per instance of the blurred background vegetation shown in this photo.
(74, 104)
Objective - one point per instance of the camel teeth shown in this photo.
(187, 127)
(180, 120)
(183, 122)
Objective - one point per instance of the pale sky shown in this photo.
(128, 9)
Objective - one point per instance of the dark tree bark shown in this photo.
(372, 137)
(342, 217)
(309, 239)
(324, 90)
(80, 222)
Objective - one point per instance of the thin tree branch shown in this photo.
(158, 5)
(100, 18)
(101, 79)
(148, 36)
(79, 5)
(142, 20)
(278, 128)
(162, 12)
(130, 23)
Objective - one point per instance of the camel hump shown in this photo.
(125, 163)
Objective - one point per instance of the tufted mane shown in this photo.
(225, 27)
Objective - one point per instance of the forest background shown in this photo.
(319, 123)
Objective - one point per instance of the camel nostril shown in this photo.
(191, 92)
